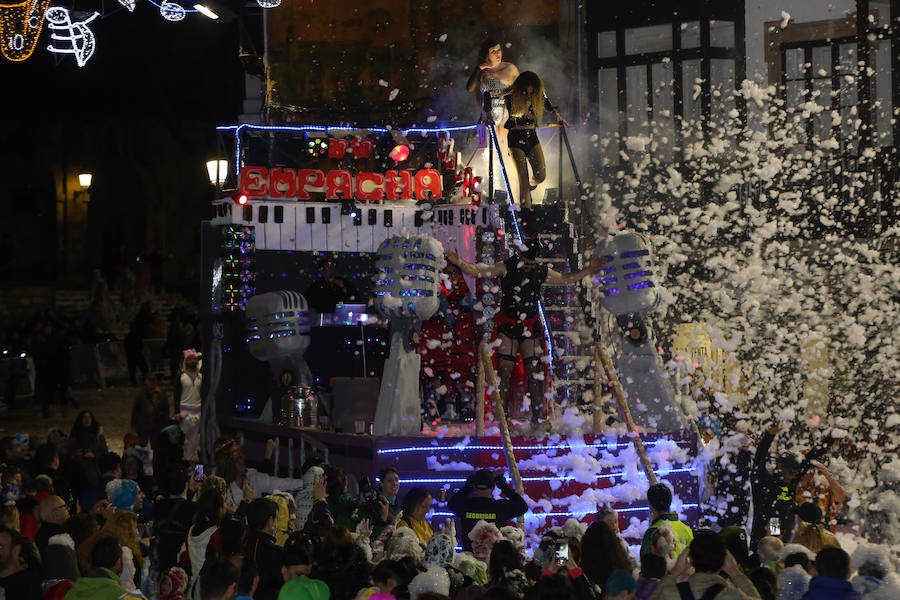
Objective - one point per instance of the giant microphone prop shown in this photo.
(631, 288)
(407, 290)
(278, 332)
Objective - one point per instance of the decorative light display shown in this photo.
(547, 478)
(20, 27)
(70, 37)
(238, 273)
(171, 11)
(129, 4)
(464, 448)
(269, 3)
(317, 147)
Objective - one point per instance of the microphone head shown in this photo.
(407, 284)
(277, 324)
(630, 279)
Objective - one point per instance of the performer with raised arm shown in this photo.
(518, 324)
(526, 103)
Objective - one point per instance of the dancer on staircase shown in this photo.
(518, 324)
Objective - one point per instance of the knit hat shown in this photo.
(792, 583)
(304, 588)
(404, 542)
(122, 493)
(809, 512)
(472, 567)
(619, 580)
(515, 535)
(483, 479)
(172, 584)
(736, 542)
(435, 579)
(439, 551)
(707, 421)
(484, 535)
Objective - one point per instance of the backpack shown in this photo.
(285, 518)
(684, 590)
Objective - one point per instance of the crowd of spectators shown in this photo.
(79, 521)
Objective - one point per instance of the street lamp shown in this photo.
(84, 180)
(218, 171)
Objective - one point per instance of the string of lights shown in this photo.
(661, 472)
(462, 448)
(238, 129)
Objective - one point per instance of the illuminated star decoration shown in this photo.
(268, 3)
(129, 4)
(171, 11)
(77, 39)
(20, 27)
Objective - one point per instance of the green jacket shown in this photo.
(101, 584)
(683, 533)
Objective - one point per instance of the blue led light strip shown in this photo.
(323, 128)
(661, 473)
(512, 212)
(580, 513)
(482, 447)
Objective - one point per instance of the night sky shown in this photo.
(141, 115)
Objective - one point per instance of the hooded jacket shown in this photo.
(830, 588)
(100, 584)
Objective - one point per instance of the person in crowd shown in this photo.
(793, 580)
(620, 585)
(602, 553)
(769, 552)
(102, 580)
(736, 543)
(659, 496)
(611, 518)
(262, 549)
(209, 514)
(88, 444)
(873, 565)
(133, 470)
(653, 569)
(168, 449)
(526, 103)
(13, 453)
(110, 467)
(150, 410)
(765, 582)
(80, 527)
(505, 569)
(482, 506)
(386, 576)
(16, 579)
(54, 512)
(348, 511)
(706, 556)
(416, 505)
(341, 564)
(243, 483)
(134, 342)
(218, 580)
(9, 516)
(56, 546)
(832, 580)
(518, 324)
(173, 515)
(190, 404)
(811, 531)
(47, 462)
(774, 494)
(390, 489)
(123, 525)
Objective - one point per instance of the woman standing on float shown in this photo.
(492, 78)
(526, 103)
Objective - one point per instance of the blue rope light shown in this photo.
(482, 447)
(323, 128)
(580, 513)
(662, 473)
(540, 304)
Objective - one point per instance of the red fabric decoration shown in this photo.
(337, 148)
